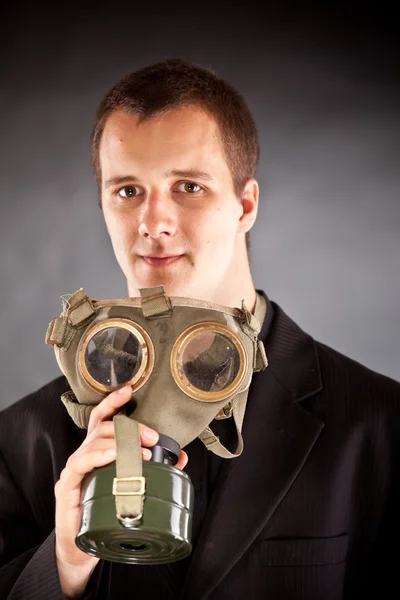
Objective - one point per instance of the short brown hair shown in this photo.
(177, 83)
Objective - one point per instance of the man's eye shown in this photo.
(188, 187)
(129, 191)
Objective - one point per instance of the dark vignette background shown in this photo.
(323, 86)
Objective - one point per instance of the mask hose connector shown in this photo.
(166, 451)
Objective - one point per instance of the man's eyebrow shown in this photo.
(119, 180)
(190, 174)
(186, 174)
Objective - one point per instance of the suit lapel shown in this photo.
(278, 435)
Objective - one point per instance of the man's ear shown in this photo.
(249, 200)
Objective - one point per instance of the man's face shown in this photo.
(170, 206)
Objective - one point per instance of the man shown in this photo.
(309, 509)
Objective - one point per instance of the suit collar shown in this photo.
(292, 357)
(278, 435)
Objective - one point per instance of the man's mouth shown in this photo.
(161, 261)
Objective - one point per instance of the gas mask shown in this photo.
(188, 362)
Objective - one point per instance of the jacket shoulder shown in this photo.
(353, 379)
(41, 406)
(357, 370)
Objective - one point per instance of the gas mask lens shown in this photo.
(208, 362)
(114, 353)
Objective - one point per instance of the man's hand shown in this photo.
(98, 449)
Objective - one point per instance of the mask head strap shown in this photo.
(78, 309)
(155, 303)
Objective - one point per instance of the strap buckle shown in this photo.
(80, 310)
(139, 492)
(157, 304)
(225, 412)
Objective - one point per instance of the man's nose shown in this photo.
(158, 217)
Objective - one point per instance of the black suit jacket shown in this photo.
(309, 511)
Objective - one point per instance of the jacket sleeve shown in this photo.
(380, 573)
(28, 567)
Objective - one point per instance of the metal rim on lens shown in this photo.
(146, 347)
(176, 362)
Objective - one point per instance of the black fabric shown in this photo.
(309, 510)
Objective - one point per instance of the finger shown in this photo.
(109, 406)
(148, 437)
(103, 429)
(87, 447)
(78, 465)
(182, 460)
(146, 454)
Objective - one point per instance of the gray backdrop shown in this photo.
(324, 91)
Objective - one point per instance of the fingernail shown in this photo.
(146, 454)
(150, 435)
(110, 452)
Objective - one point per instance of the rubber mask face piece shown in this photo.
(185, 359)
